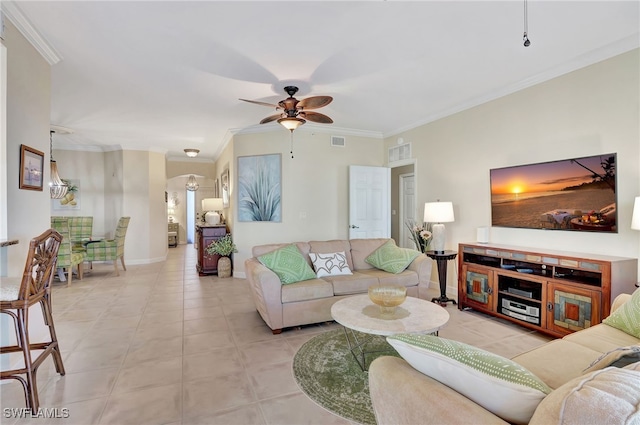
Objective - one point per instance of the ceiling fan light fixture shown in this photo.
(192, 153)
(291, 123)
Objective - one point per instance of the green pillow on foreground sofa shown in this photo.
(297, 296)
(582, 389)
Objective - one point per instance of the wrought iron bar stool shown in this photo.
(16, 297)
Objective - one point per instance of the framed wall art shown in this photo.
(31, 168)
(224, 188)
(259, 188)
(70, 201)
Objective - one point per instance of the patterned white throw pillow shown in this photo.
(332, 264)
(498, 384)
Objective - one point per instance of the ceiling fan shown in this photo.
(296, 112)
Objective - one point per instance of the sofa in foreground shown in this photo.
(565, 381)
(343, 269)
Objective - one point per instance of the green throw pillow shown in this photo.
(627, 316)
(498, 384)
(289, 264)
(391, 258)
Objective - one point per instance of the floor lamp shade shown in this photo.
(438, 213)
(635, 218)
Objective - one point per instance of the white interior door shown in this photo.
(407, 208)
(369, 202)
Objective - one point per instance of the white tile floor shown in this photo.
(162, 345)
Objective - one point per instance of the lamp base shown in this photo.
(212, 218)
(438, 236)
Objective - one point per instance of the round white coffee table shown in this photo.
(359, 313)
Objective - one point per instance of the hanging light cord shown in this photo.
(525, 36)
(51, 145)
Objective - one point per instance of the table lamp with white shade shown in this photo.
(212, 206)
(635, 218)
(438, 213)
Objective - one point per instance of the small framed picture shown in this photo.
(224, 180)
(31, 168)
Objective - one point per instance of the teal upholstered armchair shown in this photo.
(67, 257)
(112, 249)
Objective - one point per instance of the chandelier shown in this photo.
(192, 184)
(57, 187)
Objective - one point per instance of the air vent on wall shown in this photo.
(338, 141)
(398, 153)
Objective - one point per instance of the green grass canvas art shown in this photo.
(259, 188)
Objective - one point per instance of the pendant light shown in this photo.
(192, 184)
(57, 187)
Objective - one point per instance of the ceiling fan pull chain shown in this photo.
(291, 152)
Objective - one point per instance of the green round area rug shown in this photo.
(328, 374)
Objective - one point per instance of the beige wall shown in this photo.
(28, 103)
(591, 111)
(143, 200)
(191, 166)
(113, 191)
(315, 202)
(120, 183)
(89, 169)
(28, 99)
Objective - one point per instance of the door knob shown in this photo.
(353, 226)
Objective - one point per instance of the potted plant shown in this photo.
(223, 247)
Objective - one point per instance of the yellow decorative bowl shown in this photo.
(388, 297)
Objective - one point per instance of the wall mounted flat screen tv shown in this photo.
(577, 194)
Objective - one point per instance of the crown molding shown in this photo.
(597, 55)
(17, 18)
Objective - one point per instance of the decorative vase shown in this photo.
(224, 267)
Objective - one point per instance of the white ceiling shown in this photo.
(168, 75)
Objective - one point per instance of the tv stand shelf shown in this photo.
(554, 292)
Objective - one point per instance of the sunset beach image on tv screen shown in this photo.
(576, 194)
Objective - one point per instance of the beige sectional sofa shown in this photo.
(402, 395)
(309, 301)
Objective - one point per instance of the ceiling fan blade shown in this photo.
(316, 117)
(271, 105)
(271, 118)
(314, 102)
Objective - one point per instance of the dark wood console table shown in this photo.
(205, 234)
